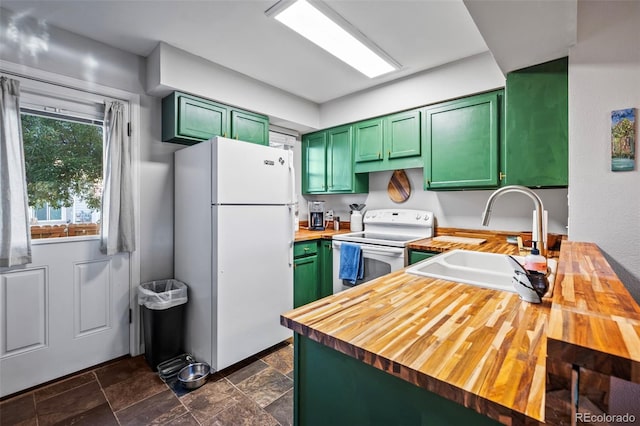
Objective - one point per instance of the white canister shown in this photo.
(356, 221)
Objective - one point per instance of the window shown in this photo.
(63, 146)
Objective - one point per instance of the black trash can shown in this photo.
(163, 306)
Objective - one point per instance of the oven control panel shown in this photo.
(399, 217)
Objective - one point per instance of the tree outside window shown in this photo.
(63, 162)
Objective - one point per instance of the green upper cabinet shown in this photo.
(402, 134)
(314, 163)
(339, 159)
(388, 143)
(369, 140)
(188, 119)
(461, 141)
(535, 152)
(250, 127)
(327, 163)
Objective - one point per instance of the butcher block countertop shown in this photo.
(304, 234)
(485, 349)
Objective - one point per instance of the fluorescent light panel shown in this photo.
(312, 24)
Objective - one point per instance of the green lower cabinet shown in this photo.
(416, 256)
(461, 142)
(249, 127)
(325, 254)
(536, 148)
(312, 271)
(331, 388)
(305, 280)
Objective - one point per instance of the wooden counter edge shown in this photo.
(451, 392)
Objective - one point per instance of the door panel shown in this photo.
(68, 310)
(92, 296)
(305, 280)
(461, 141)
(314, 158)
(22, 297)
(249, 127)
(252, 291)
(339, 159)
(369, 140)
(403, 134)
(537, 131)
(200, 119)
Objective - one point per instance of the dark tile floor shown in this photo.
(256, 392)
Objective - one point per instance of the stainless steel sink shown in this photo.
(490, 270)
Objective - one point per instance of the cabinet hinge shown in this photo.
(502, 176)
(129, 129)
(130, 316)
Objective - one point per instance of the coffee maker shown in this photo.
(316, 215)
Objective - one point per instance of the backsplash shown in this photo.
(455, 209)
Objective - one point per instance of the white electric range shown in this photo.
(387, 232)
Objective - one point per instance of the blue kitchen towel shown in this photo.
(351, 262)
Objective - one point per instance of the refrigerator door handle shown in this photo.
(293, 205)
(292, 222)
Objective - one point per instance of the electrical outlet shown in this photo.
(329, 215)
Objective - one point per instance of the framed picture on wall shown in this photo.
(623, 136)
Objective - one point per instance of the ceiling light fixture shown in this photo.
(324, 27)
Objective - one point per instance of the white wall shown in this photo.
(604, 75)
(170, 68)
(457, 209)
(74, 56)
(475, 74)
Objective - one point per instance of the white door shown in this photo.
(66, 311)
(69, 308)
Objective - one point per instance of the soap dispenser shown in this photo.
(534, 261)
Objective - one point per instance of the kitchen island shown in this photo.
(417, 349)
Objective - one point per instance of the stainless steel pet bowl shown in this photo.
(194, 375)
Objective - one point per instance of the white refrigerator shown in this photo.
(233, 239)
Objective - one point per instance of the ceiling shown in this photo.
(419, 34)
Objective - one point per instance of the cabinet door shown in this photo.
(402, 134)
(326, 269)
(368, 140)
(461, 143)
(339, 159)
(416, 256)
(314, 163)
(249, 127)
(536, 141)
(305, 280)
(200, 119)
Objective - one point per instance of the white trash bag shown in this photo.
(163, 294)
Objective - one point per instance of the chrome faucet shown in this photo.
(541, 241)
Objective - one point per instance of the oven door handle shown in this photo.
(367, 248)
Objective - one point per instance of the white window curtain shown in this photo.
(15, 237)
(117, 215)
